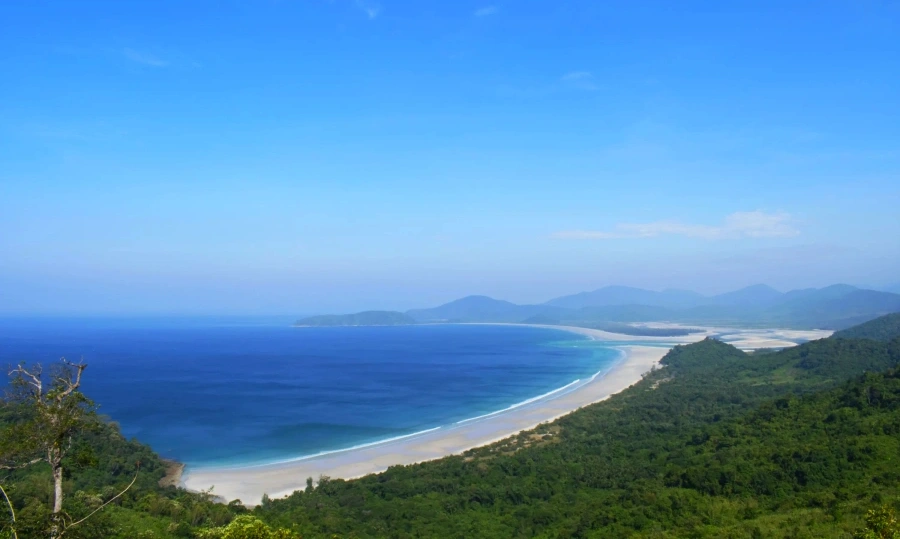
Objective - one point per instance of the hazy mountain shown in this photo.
(464, 308)
(833, 307)
(482, 309)
(829, 310)
(367, 318)
(739, 303)
(755, 296)
(829, 292)
(626, 295)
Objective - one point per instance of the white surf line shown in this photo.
(316, 455)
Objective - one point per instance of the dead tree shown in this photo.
(54, 414)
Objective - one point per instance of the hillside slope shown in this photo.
(884, 328)
(712, 445)
(717, 443)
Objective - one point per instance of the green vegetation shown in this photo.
(802, 442)
(247, 527)
(367, 318)
(884, 328)
(880, 524)
(716, 444)
(109, 486)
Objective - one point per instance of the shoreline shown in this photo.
(250, 483)
(174, 472)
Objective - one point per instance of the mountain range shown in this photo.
(833, 307)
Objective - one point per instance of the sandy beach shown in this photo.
(277, 480)
(281, 479)
(745, 339)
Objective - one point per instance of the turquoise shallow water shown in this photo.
(208, 394)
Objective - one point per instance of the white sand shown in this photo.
(249, 483)
(745, 339)
(277, 480)
(606, 336)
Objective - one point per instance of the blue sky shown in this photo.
(279, 156)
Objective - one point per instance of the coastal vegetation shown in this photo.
(884, 328)
(53, 411)
(798, 443)
(801, 442)
(67, 472)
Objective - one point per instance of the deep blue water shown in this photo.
(210, 393)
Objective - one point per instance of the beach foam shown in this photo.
(250, 483)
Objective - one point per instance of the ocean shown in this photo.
(213, 392)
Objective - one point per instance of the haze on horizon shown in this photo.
(262, 157)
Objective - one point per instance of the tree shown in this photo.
(881, 523)
(248, 527)
(53, 414)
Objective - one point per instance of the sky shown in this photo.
(311, 156)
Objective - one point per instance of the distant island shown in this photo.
(367, 318)
(622, 309)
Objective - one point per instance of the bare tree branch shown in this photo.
(107, 502)
(11, 512)
(70, 385)
(34, 376)
(19, 466)
(58, 413)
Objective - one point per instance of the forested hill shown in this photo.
(101, 463)
(884, 328)
(716, 443)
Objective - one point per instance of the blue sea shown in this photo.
(216, 392)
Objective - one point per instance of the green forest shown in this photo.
(804, 442)
(884, 328)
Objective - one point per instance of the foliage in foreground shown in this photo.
(881, 523)
(247, 527)
(100, 464)
(718, 443)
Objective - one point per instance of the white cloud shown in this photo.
(583, 80)
(144, 58)
(486, 11)
(748, 224)
(370, 9)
